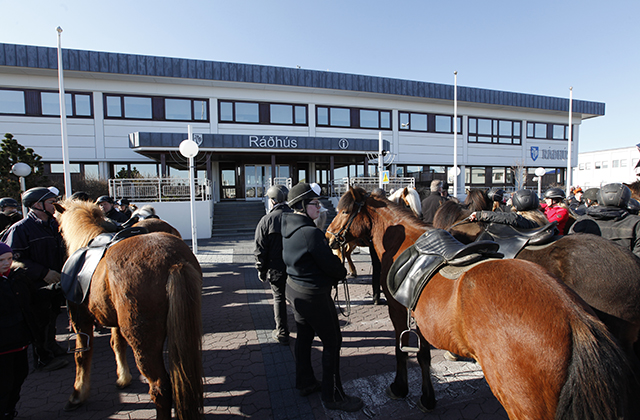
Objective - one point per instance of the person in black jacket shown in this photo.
(17, 325)
(269, 262)
(313, 270)
(432, 203)
(9, 212)
(38, 245)
(110, 212)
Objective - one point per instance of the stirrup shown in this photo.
(76, 350)
(409, 332)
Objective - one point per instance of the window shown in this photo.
(498, 175)
(137, 108)
(615, 163)
(587, 166)
(58, 168)
(597, 165)
(262, 113)
(352, 117)
(340, 117)
(12, 102)
(605, 164)
(485, 130)
(546, 131)
(581, 167)
(413, 121)
(76, 105)
(623, 163)
(474, 175)
(157, 108)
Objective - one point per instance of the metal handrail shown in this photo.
(159, 189)
(369, 183)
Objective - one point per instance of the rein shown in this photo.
(345, 229)
(465, 220)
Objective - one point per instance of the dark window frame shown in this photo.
(264, 113)
(33, 103)
(495, 136)
(549, 131)
(354, 119)
(431, 122)
(158, 108)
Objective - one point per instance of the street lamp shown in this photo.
(540, 173)
(21, 170)
(189, 149)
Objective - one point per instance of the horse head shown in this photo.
(478, 200)
(351, 222)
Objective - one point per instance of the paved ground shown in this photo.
(249, 375)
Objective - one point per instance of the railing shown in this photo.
(369, 183)
(280, 180)
(159, 189)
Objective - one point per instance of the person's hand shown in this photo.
(52, 277)
(473, 217)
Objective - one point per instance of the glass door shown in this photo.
(256, 181)
(228, 187)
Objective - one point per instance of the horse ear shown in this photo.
(59, 207)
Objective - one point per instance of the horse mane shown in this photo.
(411, 197)
(349, 200)
(477, 200)
(448, 214)
(80, 222)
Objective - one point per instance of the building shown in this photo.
(256, 122)
(602, 167)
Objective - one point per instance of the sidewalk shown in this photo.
(247, 374)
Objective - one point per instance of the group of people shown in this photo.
(32, 254)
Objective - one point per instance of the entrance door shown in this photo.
(228, 187)
(256, 181)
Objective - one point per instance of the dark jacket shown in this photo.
(311, 265)
(7, 220)
(612, 223)
(116, 216)
(506, 218)
(17, 322)
(268, 240)
(430, 206)
(36, 244)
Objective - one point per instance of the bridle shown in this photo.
(340, 236)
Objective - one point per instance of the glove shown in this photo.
(52, 277)
(262, 275)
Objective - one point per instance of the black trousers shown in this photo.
(14, 368)
(278, 282)
(315, 314)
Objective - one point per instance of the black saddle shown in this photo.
(413, 269)
(78, 270)
(513, 240)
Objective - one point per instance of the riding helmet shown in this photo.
(591, 194)
(302, 193)
(104, 199)
(634, 206)
(524, 200)
(614, 195)
(37, 194)
(80, 195)
(495, 194)
(278, 193)
(555, 193)
(123, 202)
(8, 202)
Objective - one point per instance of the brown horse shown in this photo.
(604, 274)
(148, 289)
(543, 352)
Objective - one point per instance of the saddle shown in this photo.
(78, 270)
(435, 249)
(513, 240)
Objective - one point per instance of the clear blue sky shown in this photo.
(541, 47)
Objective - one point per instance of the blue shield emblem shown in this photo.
(534, 152)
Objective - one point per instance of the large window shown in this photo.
(43, 103)
(332, 116)
(12, 102)
(185, 109)
(486, 130)
(433, 123)
(157, 108)
(547, 131)
(262, 113)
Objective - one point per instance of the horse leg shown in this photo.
(82, 322)
(119, 346)
(352, 268)
(427, 401)
(400, 386)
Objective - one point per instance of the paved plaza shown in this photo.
(247, 374)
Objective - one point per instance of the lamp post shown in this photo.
(570, 134)
(540, 173)
(21, 170)
(456, 170)
(189, 149)
(63, 120)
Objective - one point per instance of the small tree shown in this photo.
(124, 173)
(12, 152)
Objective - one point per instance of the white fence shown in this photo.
(369, 183)
(159, 189)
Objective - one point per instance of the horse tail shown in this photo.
(597, 377)
(184, 337)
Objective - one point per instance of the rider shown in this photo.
(589, 199)
(9, 213)
(610, 218)
(525, 215)
(110, 212)
(555, 209)
(313, 270)
(268, 252)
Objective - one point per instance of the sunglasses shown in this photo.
(315, 203)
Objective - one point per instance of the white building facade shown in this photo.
(255, 122)
(602, 167)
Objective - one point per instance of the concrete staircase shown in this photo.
(232, 218)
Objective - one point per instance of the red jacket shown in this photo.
(556, 214)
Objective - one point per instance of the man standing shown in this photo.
(431, 204)
(110, 212)
(38, 246)
(269, 262)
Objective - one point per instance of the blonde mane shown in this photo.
(411, 197)
(80, 222)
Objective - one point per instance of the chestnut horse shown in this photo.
(148, 289)
(544, 354)
(603, 274)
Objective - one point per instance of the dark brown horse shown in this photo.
(544, 354)
(604, 274)
(148, 289)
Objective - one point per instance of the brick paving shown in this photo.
(247, 374)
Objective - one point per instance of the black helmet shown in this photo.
(495, 194)
(8, 202)
(37, 194)
(614, 195)
(302, 192)
(555, 193)
(634, 206)
(123, 202)
(591, 194)
(80, 195)
(104, 199)
(524, 200)
(278, 193)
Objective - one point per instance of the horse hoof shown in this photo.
(392, 394)
(123, 386)
(71, 406)
(352, 276)
(451, 356)
(427, 409)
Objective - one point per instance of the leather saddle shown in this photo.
(435, 249)
(78, 270)
(513, 240)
